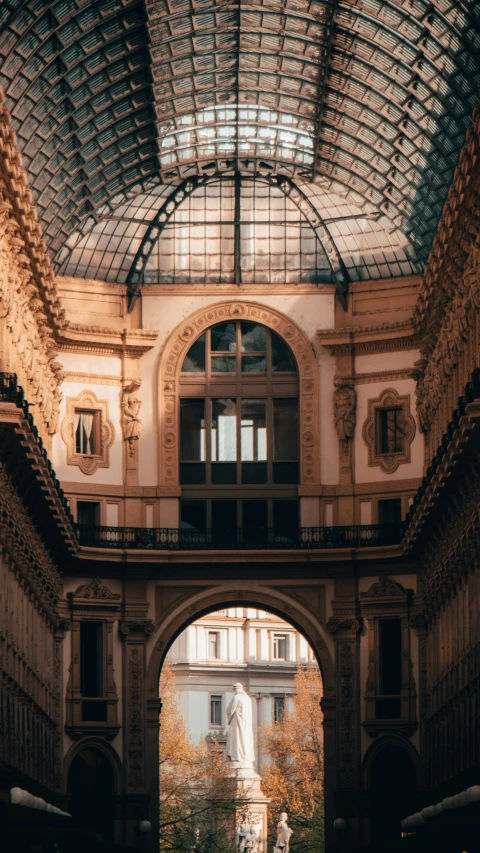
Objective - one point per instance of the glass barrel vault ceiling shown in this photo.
(366, 101)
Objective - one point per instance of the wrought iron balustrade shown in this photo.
(12, 392)
(180, 539)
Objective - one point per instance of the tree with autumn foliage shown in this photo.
(197, 810)
(292, 776)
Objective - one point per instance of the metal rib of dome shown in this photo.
(107, 95)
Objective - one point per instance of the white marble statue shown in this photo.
(239, 747)
(283, 835)
(248, 831)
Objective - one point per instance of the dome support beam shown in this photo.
(288, 187)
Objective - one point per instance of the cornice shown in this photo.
(373, 338)
(242, 291)
(380, 376)
(91, 378)
(102, 340)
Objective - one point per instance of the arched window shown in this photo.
(239, 446)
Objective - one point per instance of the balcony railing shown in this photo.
(12, 392)
(179, 539)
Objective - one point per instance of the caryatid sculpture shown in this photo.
(344, 401)
(239, 747)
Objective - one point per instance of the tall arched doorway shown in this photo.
(197, 603)
(390, 803)
(91, 789)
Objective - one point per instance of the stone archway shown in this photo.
(183, 604)
(171, 362)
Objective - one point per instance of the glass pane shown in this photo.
(285, 518)
(253, 431)
(223, 338)
(224, 521)
(285, 472)
(390, 511)
(224, 472)
(224, 364)
(285, 429)
(194, 361)
(192, 473)
(224, 431)
(254, 472)
(254, 363)
(255, 520)
(254, 337)
(192, 430)
(193, 516)
(282, 358)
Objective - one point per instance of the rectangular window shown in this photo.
(390, 511)
(255, 521)
(285, 519)
(280, 646)
(193, 519)
(88, 512)
(223, 441)
(390, 656)
(278, 708)
(389, 686)
(92, 659)
(216, 710)
(85, 432)
(192, 441)
(390, 430)
(213, 645)
(285, 441)
(224, 521)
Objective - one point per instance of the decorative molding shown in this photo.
(94, 590)
(91, 378)
(388, 462)
(385, 588)
(344, 408)
(104, 340)
(381, 376)
(344, 625)
(227, 290)
(381, 337)
(104, 435)
(28, 347)
(15, 191)
(146, 627)
(171, 363)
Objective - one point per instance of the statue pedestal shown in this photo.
(251, 815)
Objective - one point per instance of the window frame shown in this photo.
(218, 643)
(277, 718)
(269, 386)
(216, 697)
(282, 636)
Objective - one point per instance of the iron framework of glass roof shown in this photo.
(110, 97)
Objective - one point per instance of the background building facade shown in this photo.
(243, 644)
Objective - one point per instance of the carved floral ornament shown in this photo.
(31, 351)
(95, 590)
(389, 462)
(170, 367)
(104, 432)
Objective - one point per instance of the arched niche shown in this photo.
(171, 362)
(390, 777)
